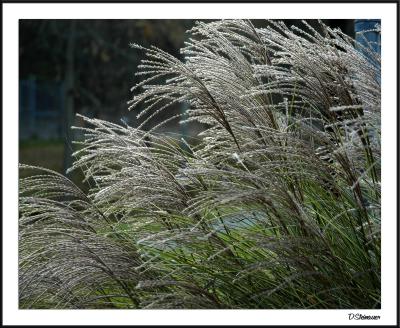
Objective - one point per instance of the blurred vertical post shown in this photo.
(61, 108)
(68, 116)
(369, 40)
(367, 35)
(32, 104)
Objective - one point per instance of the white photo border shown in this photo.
(12, 12)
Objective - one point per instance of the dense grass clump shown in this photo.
(277, 206)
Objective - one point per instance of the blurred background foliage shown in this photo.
(87, 67)
(80, 66)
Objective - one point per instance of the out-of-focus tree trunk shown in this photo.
(69, 97)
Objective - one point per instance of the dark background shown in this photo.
(87, 67)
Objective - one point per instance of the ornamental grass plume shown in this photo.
(277, 205)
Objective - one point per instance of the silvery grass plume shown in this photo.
(277, 206)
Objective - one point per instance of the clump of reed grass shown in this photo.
(277, 206)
